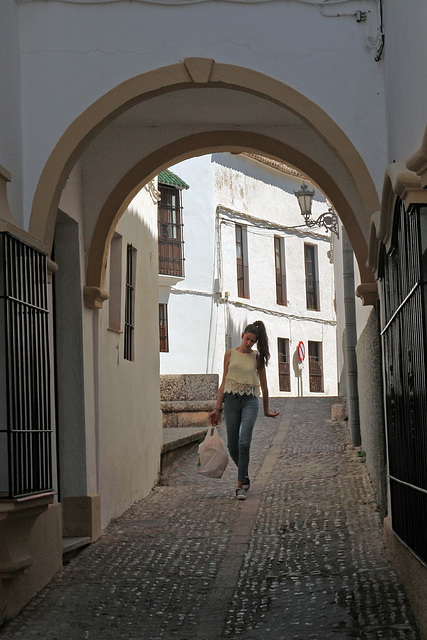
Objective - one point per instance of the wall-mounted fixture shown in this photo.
(329, 219)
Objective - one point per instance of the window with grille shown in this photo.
(163, 327)
(284, 365)
(279, 258)
(129, 349)
(242, 262)
(311, 277)
(170, 230)
(25, 403)
(315, 366)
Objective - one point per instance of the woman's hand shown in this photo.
(214, 417)
(273, 414)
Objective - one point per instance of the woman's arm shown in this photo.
(263, 382)
(214, 416)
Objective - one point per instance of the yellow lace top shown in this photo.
(242, 376)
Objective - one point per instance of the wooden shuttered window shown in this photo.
(311, 277)
(163, 327)
(279, 260)
(242, 262)
(315, 366)
(170, 231)
(284, 364)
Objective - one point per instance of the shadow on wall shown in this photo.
(297, 370)
(342, 383)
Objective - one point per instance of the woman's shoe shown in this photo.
(246, 483)
(240, 494)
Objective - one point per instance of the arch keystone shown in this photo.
(200, 69)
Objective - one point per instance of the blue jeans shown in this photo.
(240, 413)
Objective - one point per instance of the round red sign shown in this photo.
(301, 351)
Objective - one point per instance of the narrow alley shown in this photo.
(302, 558)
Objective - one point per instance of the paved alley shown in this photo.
(302, 558)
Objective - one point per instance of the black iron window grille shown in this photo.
(25, 409)
(279, 258)
(403, 276)
(129, 334)
(311, 277)
(315, 366)
(284, 365)
(163, 327)
(170, 232)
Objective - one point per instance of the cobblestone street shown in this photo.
(302, 558)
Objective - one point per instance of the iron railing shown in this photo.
(129, 333)
(171, 251)
(403, 278)
(170, 232)
(25, 403)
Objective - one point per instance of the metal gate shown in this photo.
(25, 413)
(403, 276)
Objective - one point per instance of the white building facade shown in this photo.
(256, 262)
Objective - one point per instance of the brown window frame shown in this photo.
(284, 364)
(242, 261)
(311, 277)
(170, 231)
(315, 366)
(280, 267)
(163, 328)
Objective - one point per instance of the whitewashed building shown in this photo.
(247, 256)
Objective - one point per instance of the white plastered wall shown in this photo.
(405, 25)
(122, 431)
(108, 44)
(130, 433)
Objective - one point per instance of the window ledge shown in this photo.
(17, 518)
(169, 281)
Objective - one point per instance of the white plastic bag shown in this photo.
(212, 458)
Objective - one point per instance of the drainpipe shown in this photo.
(351, 339)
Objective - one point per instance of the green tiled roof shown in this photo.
(170, 178)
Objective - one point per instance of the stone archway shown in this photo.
(355, 209)
(124, 191)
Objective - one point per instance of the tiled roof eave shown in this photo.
(280, 166)
(172, 180)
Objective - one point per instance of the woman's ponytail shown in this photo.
(258, 329)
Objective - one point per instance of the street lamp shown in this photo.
(329, 219)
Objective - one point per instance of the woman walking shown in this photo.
(244, 372)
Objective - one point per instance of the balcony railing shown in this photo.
(171, 249)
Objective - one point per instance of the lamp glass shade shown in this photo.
(305, 198)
